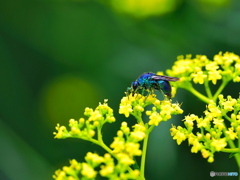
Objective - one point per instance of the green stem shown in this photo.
(230, 150)
(208, 90)
(144, 151)
(101, 143)
(228, 118)
(143, 159)
(233, 148)
(198, 94)
(138, 117)
(220, 89)
(237, 156)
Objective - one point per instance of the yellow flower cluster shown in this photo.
(69, 172)
(161, 110)
(210, 133)
(90, 169)
(200, 69)
(126, 145)
(85, 128)
(135, 104)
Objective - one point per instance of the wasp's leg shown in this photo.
(137, 91)
(128, 91)
(149, 92)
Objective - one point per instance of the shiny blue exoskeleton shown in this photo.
(150, 82)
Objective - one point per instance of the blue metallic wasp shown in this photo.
(150, 82)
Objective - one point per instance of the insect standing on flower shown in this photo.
(150, 82)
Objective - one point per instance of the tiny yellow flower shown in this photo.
(133, 149)
(111, 119)
(229, 103)
(125, 159)
(75, 164)
(150, 99)
(212, 66)
(237, 66)
(125, 106)
(75, 130)
(174, 91)
(166, 108)
(199, 77)
(233, 116)
(236, 79)
(81, 121)
(136, 172)
(154, 119)
(238, 116)
(180, 137)
(228, 58)
(205, 153)
(96, 116)
(214, 76)
(182, 66)
(106, 170)
(72, 122)
(208, 136)
(62, 132)
(177, 108)
(191, 138)
(71, 178)
(125, 128)
(214, 111)
(118, 145)
(139, 127)
(238, 129)
(199, 136)
(119, 133)
(219, 123)
(94, 158)
(88, 171)
(210, 159)
(91, 133)
(232, 135)
(96, 123)
(189, 119)
(88, 111)
(66, 169)
(203, 122)
(196, 146)
(219, 144)
(59, 175)
(138, 135)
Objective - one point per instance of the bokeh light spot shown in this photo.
(66, 97)
(144, 8)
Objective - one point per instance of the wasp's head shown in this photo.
(134, 85)
(133, 88)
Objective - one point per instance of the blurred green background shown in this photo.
(58, 57)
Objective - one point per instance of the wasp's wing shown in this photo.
(164, 78)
